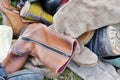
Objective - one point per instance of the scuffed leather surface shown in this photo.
(11, 17)
(40, 33)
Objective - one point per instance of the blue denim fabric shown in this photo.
(26, 75)
(100, 43)
(3, 74)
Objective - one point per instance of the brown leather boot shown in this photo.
(11, 17)
(7, 4)
(14, 62)
(51, 48)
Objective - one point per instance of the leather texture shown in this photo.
(53, 49)
(13, 62)
(11, 16)
(7, 4)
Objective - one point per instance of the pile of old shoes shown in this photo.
(106, 44)
(14, 21)
(28, 11)
(39, 10)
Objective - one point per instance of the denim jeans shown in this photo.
(100, 43)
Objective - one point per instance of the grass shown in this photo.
(67, 74)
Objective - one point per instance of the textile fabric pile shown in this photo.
(50, 35)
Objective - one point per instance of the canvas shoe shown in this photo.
(106, 44)
(113, 32)
(34, 12)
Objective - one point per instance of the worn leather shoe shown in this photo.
(11, 17)
(42, 43)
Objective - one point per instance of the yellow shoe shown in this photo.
(33, 11)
